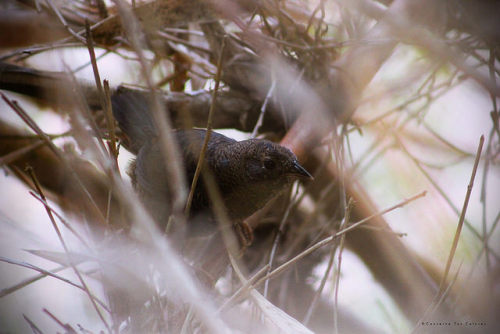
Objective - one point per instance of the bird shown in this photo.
(248, 173)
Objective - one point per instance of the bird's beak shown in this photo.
(300, 171)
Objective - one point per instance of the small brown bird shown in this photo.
(248, 173)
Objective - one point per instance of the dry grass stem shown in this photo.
(201, 159)
(66, 250)
(462, 217)
(330, 239)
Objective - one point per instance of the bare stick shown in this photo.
(105, 103)
(439, 297)
(477, 259)
(48, 140)
(328, 240)
(442, 285)
(494, 115)
(482, 197)
(61, 218)
(436, 302)
(276, 243)
(168, 146)
(64, 23)
(317, 295)
(407, 30)
(471, 228)
(447, 290)
(67, 327)
(201, 159)
(66, 250)
(33, 326)
(110, 123)
(339, 265)
(48, 273)
(28, 281)
(264, 107)
(95, 69)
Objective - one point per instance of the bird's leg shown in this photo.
(244, 233)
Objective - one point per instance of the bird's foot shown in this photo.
(245, 234)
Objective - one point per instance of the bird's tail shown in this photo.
(130, 107)
(27, 81)
(131, 110)
(50, 88)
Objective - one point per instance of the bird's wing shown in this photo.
(191, 143)
(131, 110)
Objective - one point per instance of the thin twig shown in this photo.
(436, 302)
(338, 146)
(328, 240)
(51, 274)
(491, 66)
(317, 295)
(483, 200)
(445, 197)
(81, 106)
(32, 325)
(201, 159)
(447, 290)
(28, 281)
(276, 242)
(61, 218)
(462, 217)
(67, 327)
(66, 250)
(95, 69)
(64, 23)
(408, 31)
(263, 109)
(478, 258)
(48, 140)
(110, 123)
(442, 286)
(168, 145)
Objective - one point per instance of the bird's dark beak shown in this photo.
(298, 170)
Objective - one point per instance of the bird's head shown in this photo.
(252, 172)
(266, 161)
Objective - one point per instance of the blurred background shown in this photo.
(413, 124)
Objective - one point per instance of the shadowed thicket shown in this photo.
(294, 72)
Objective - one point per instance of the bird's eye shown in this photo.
(269, 164)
